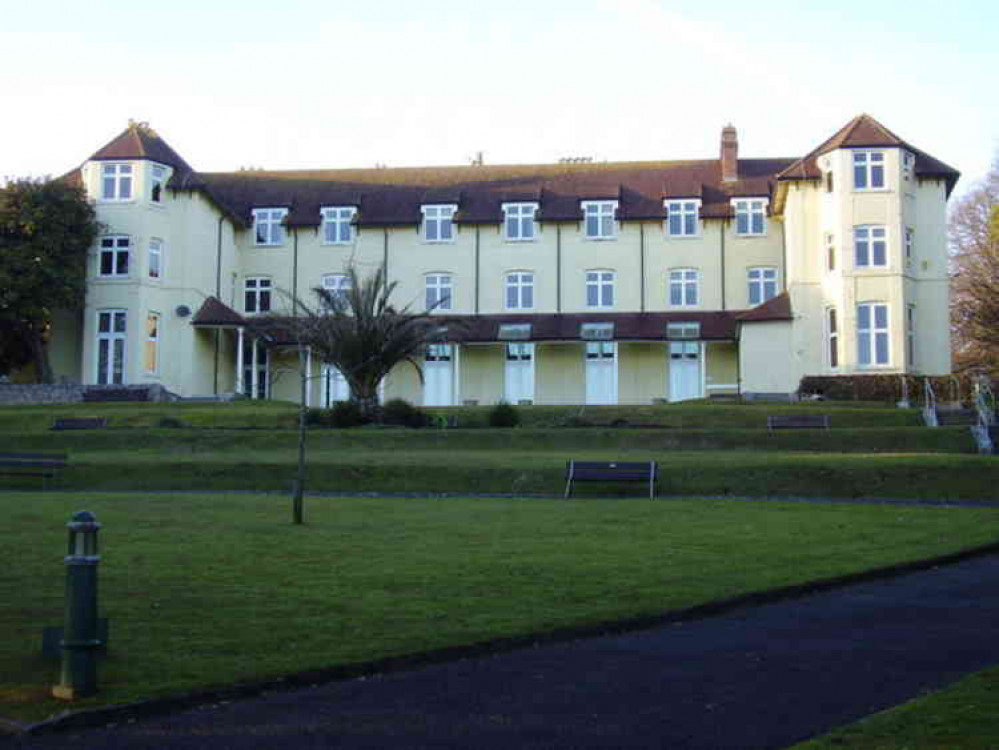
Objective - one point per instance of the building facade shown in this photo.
(575, 282)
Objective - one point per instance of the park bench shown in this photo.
(44, 465)
(799, 422)
(612, 471)
(79, 423)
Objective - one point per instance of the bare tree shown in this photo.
(974, 239)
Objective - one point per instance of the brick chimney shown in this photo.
(729, 154)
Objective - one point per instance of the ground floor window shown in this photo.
(684, 370)
(111, 333)
(152, 352)
(601, 372)
(873, 346)
(256, 371)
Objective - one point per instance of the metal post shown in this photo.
(239, 362)
(80, 638)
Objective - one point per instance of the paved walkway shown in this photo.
(763, 677)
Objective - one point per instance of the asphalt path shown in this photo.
(761, 677)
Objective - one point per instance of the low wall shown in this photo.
(69, 393)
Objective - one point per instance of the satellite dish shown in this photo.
(183, 311)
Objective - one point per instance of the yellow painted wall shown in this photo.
(559, 376)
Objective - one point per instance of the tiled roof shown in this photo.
(388, 197)
(139, 141)
(776, 308)
(864, 131)
(213, 313)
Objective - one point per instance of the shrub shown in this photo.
(504, 415)
(170, 422)
(398, 411)
(317, 417)
(345, 414)
(882, 387)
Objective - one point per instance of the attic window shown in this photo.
(116, 182)
(599, 219)
(682, 218)
(157, 178)
(868, 170)
(267, 228)
(596, 331)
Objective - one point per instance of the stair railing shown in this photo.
(985, 405)
(955, 391)
(929, 404)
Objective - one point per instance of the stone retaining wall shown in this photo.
(69, 393)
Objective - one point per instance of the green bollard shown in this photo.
(80, 638)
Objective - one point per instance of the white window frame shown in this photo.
(866, 165)
(601, 281)
(438, 222)
(154, 271)
(602, 214)
(519, 223)
(832, 325)
(154, 322)
(157, 183)
(686, 212)
(439, 291)
(117, 182)
(683, 331)
(117, 247)
(759, 282)
(830, 245)
(910, 246)
(868, 236)
(518, 288)
(683, 287)
(268, 230)
(751, 209)
(111, 336)
(336, 284)
(868, 338)
(337, 226)
(260, 290)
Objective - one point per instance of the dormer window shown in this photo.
(157, 179)
(267, 227)
(518, 219)
(599, 219)
(438, 222)
(337, 228)
(681, 218)
(868, 170)
(750, 217)
(116, 182)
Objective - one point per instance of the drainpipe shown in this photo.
(641, 267)
(218, 296)
(294, 273)
(722, 228)
(558, 268)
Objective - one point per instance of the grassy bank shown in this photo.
(366, 579)
(960, 717)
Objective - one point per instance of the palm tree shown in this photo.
(361, 333)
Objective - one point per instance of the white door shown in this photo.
(438, 379)
(334, 386)
(684, 370)
(601, 372)
(519, 373)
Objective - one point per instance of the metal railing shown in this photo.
(929, 404)
(985, 405)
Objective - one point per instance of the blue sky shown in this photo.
(331, 84)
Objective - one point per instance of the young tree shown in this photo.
(974, 237)
(360, 332)
(46, 229)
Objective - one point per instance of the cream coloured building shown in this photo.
(576, 282)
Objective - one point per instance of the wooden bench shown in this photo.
(79, 423)
(799, 422)
(44, 465)
(612, 471)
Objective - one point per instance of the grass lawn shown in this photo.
(961, 717)
(212, 589)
